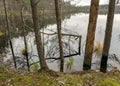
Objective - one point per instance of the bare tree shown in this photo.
(38, 35)
(25, 41)
(108, 35)
(91, 34)
(58, 19)
(9, 34)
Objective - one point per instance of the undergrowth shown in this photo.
(10, 77)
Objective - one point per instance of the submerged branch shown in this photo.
(67, 56)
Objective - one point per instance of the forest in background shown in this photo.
(17, 16)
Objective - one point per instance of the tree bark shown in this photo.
(91, 34)
(38, 35)
(108, 35)
(9, 34)
(58, 19)
(25, 41)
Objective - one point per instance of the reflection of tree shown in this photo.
(3, 43)
(9, 33)
(17, 31)
(70, 40)
(14, 7)
(117, 1)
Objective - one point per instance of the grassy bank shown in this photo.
(10, 77)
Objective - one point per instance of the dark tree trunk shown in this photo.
(9, 34)
(38, 35)
(91, 34)
(117, 1)
(58, 19)
(108, 35)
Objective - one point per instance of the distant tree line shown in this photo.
(37, 29)
(103, 9)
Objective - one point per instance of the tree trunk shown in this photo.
(9, 34)
(25, 41)
(108, 35)
(91, 34)
(38, 35)
(117, 1)
(58, 19)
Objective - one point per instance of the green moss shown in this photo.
(69, 80)
(1, 33)
(109, 82)
(49, 78)
(2, 75)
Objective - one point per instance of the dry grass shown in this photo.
(98, 47)
(2, 32)
(9, 13)
(10, 77)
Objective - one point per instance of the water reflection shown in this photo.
(77, 24)
(3, 43)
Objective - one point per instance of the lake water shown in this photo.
(77, 24)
